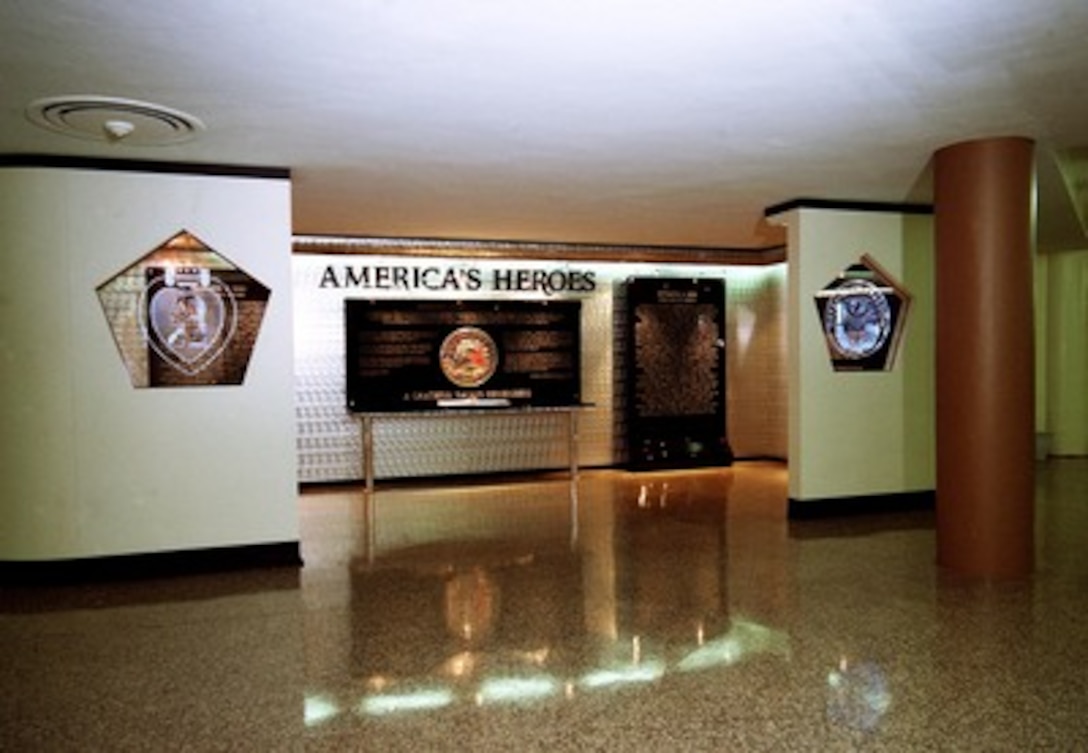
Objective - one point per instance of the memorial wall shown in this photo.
(433, 297)
(675, 373)
(418, 355)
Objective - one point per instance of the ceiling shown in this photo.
(661, 122)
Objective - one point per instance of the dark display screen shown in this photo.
(427, 355)
(676, 373)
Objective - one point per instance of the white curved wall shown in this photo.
(90, 466)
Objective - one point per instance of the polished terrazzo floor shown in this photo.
(662, 612)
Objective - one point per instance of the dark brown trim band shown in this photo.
(143, 166)
(497, 249)
(846, 205)
(813, 509)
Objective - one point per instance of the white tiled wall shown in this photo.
(329, 437)
(756, 361)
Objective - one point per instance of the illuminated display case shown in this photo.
(862, 313)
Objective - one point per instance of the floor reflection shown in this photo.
(676, 611)
(481, 595)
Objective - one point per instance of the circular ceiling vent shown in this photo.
(114, 120)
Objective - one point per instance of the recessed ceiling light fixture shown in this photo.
(114, 120)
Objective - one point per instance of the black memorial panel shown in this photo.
(423, 355)
(675, 377)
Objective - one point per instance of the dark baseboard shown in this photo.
(870, 504)
(452, 479)
(151, 564)
(496, 477)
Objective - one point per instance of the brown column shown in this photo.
(984, 205)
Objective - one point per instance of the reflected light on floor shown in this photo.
(318, 710)
(710, 622)
(858, 695)
(420, 700)
(517, 690)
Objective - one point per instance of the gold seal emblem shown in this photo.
(468, 357)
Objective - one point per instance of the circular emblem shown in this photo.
(468, 356)
(858, 319)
